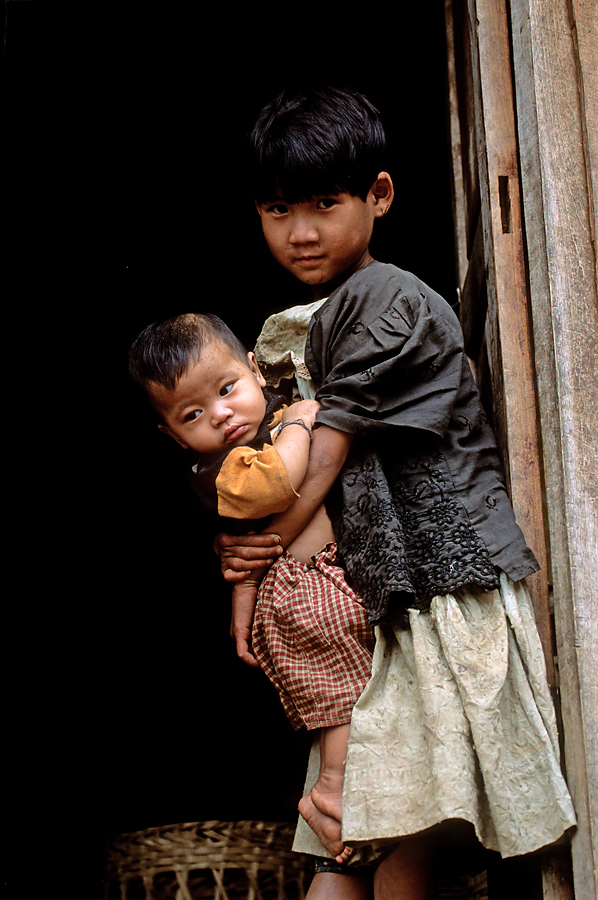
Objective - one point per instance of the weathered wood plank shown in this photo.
(457, 180)
(508, 329)
(584, 16)
(556, 120)
(460, 48)
(557, 880)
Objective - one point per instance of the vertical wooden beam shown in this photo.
(555, 44)
(508, 330)
(457, 178)
(583, 16)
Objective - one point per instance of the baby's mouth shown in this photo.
(233, 432)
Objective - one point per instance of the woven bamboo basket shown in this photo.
(228, 861)
(207, 861)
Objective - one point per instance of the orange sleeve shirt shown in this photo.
(254, 483)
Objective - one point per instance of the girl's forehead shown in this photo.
(293, 187)
(304, 200)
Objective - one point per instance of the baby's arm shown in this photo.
(294, 439)
(292, 445)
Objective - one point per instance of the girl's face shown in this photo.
(323, 241)
(217, 404)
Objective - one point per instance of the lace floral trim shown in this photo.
(402, 537)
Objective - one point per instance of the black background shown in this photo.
(127, 203)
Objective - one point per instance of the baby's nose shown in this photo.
(221, 412)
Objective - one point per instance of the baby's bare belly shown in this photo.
(313, 538)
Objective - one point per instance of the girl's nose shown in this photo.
(303, 230)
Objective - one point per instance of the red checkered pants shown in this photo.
(312, 639)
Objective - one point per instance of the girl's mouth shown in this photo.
(307, 260)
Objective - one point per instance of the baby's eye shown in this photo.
(194, 414)
(226, 389)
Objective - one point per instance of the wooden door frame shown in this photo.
(527, 155)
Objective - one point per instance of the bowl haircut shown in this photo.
(316, 143)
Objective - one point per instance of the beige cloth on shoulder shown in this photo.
(280, 349)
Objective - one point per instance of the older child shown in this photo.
(457, 721)
(311, 635)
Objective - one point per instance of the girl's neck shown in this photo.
(324, 290)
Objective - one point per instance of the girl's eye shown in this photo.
(226, 389)
(278, 209)
(326, 203)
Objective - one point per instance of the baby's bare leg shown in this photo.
(322, 807)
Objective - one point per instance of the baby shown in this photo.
(310, 632)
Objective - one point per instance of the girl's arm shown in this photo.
(249, 555)
(327, 457)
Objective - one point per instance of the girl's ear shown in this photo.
(166, 430)
(256, 369)
(383, 193)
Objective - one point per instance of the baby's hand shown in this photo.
(243, 608)
(304, 409)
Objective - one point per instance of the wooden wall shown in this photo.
(555, 47)
(523, 95)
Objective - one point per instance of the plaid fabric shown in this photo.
(312, 639)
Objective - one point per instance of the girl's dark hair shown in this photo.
(316, 142)
(165, 350)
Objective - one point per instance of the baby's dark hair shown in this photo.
(316, 142)
(164, 351)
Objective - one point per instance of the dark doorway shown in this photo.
(187, 236)
(190, 239)
(134, 125)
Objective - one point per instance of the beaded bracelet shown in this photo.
(296, 422)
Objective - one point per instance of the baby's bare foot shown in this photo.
(326, 827)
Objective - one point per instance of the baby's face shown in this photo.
(218, 403)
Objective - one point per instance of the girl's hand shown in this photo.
(242, 556)
(303, 409)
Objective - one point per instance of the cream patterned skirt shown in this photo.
(456, 722)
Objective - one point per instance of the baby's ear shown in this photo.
(256, 369)
(166, 430)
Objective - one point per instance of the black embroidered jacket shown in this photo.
(420, 507)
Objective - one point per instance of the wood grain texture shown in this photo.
(557, 137)
(508, 331)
